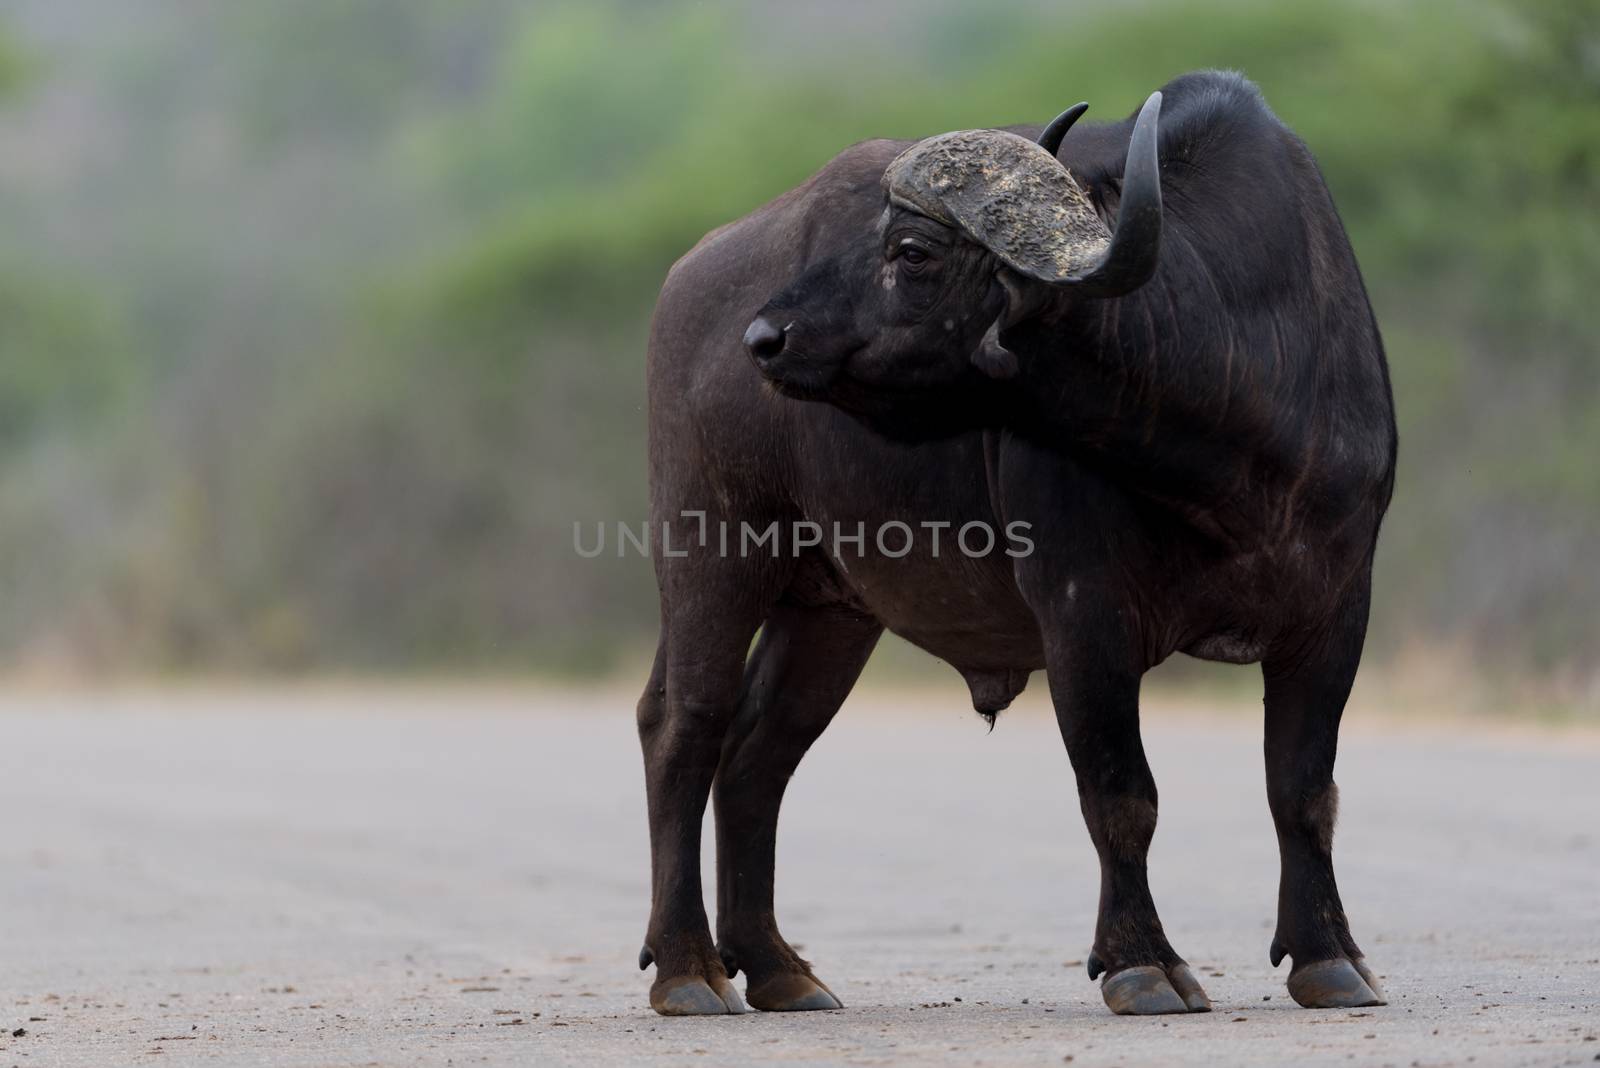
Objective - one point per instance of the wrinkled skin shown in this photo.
(1204, 463)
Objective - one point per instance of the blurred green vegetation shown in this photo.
(322, 323)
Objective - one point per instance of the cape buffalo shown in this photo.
(1149, 344)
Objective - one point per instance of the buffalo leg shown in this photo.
(1306, 691)
(1095, 689)
(803, 668)
(708, 618)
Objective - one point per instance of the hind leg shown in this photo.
(710, 611)
(804, 666)
(1305, 697)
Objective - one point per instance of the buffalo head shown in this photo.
(981, 230)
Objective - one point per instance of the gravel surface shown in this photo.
(354, 877)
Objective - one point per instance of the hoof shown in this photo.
(1142, 991)
(690, 995)
(1334, 984)
(1371, 980)
(792, 992)
(1188, 988)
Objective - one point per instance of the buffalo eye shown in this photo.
(913, 258)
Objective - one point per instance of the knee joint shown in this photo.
(651, 708)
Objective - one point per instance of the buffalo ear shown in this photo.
(1020, 299)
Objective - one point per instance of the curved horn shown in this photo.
(1135, 246)
(1050, 140)
(1009, 195)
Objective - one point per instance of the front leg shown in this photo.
(1094, 683)
(1306, 688)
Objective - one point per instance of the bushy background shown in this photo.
(321, 321)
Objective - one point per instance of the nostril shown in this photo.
(763, 339)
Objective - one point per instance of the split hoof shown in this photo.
(1147, 991)
(690, 995)
(1371, 980)
(1188, 988)
(792, 992)
(1335, 984)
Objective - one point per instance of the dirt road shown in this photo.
(356, 877)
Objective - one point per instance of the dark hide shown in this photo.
(1203, 463)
